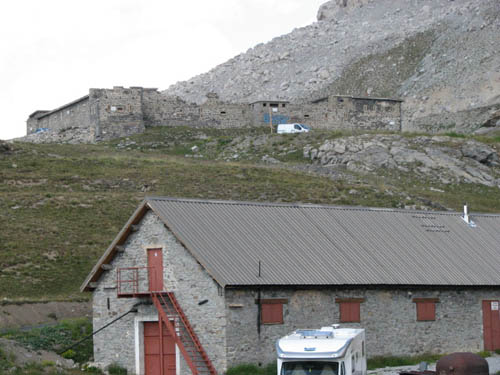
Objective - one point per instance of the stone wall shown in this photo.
(118, 112)
(388, 315)
(74, 114)
(182, 275)
(162, 110)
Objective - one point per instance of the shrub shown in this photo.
(484, 354)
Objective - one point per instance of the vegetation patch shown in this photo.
(394, 361)
(57, 338)
(251, 369)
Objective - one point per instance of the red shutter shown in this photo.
(350, 312)
(272, 313)
(426, 309)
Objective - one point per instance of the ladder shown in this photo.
(171, 314)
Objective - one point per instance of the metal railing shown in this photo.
(136, 280)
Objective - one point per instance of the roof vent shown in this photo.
(467, 218)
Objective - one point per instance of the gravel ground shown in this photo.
(493, 362)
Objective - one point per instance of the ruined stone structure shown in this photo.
(111, 113)
(230, 263)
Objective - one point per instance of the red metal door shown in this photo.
(491, 325)
(152, 355)
(155, 274)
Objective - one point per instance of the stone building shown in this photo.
(112, 113)
(229, 278)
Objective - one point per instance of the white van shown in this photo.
(293, 128)
(326, 351)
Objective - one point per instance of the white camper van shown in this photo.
(327, 351)
(292, 128)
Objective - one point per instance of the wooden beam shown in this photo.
(106, 267)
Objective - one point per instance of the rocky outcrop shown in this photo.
(5, 148)
(331, 10)
(440, 56)
(439, 158)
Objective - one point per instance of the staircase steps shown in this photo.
(171, 314)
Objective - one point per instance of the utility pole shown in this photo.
(271, 117)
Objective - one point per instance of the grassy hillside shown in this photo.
(61, 205)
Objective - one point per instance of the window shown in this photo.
(426, 309)
(264, 104)
(283, 105)
(349, 309)
(223, 112)
(274, 105)
(271, 311)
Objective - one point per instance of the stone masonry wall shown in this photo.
(162, 110)
(217, 114)
(182, 275)
(118, 112)
(74, 114)
(388, 315)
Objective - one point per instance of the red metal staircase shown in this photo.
(175, 320)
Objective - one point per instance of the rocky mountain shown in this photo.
(440, 56)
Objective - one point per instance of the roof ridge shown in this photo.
(312, 206)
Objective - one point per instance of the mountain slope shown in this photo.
(440, 56)
(61, 205)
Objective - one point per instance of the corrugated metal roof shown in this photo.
(327, 245)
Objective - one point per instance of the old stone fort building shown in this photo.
(111, 113)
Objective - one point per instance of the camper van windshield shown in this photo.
(310, 368)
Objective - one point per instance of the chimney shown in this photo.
(466, 217)
(466, 214)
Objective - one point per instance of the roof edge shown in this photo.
(110, 252)
(313, 205)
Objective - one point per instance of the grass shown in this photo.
(72, 200)
(393, 361)
(251, 369)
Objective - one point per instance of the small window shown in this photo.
(349, 309)
(353, 362)
(271, 310)
(283, 105)
(274, 105)
(426, 309)
(264, 104)
(340, 100)
(223, 112)
(306, 116)
(297, 127)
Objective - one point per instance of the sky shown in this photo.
(53, 51)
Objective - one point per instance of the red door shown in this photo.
(152, 355)
(491, 325)
(155, 270)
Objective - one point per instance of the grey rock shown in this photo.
(480, 152)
